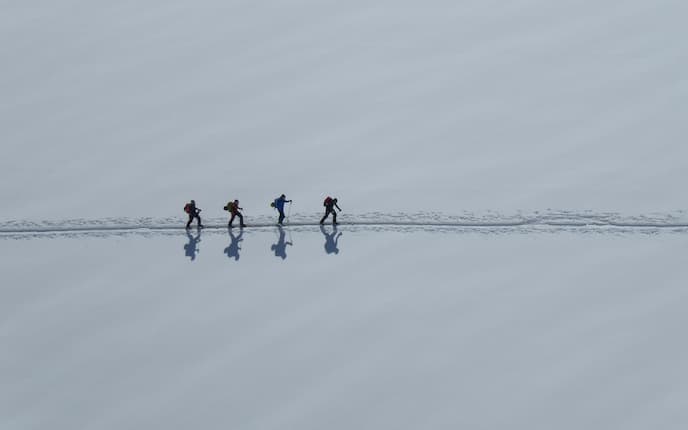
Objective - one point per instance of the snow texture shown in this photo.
(511, 253)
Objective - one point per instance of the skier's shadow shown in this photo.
(280, 248)
(191, 248)
(331, 240)
(233, 249)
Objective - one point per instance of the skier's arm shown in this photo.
(340, 209)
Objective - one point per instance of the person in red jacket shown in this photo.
(233, 208)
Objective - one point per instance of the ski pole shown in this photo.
(289, 212)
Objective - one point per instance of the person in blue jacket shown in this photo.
(279, 205)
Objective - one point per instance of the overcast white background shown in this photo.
(130, 109)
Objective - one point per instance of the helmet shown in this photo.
(283, 196)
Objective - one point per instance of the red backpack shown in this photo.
(328, 201)
(187, 208)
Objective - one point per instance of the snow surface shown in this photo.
(130, 109)
(512, 178)
(486, 328)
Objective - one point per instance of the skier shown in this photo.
(331, 240)
(233, 208)
(330, 204)
(191, 209)
(279, 205)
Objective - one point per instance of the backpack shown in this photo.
(328, 201)
(272, 204)
(228, 207)
(187, 208)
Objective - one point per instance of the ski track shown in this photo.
(488, 222)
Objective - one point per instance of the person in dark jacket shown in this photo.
(279, 205)
(233, 208)
(193, 212)
(330, 204)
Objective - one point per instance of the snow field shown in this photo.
(512, 175)
(428, 329)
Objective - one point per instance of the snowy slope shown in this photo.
(404, 330)
(113, 109)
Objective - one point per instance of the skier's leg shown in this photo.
(322, 220)
(188, 224)
(281, 217)
(198, 217)
(241, 220)
(334, 217)
(231, 219)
